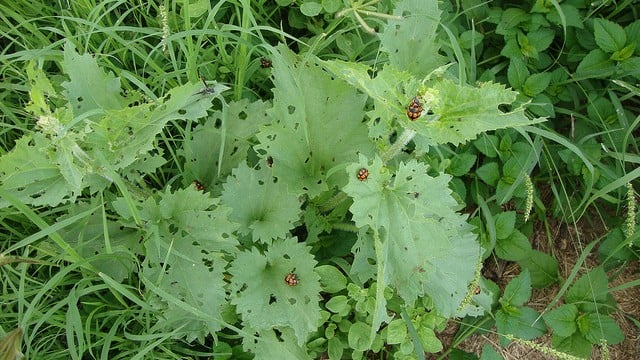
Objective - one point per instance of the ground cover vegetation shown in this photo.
(318, 179)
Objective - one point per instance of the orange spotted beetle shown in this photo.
(363, 174)
(265, 63)
(198, 185)
(292, 279)
(415, 109)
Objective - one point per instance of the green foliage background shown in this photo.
(119, 255)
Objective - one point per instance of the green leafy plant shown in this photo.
(316, 209)
(583, 320)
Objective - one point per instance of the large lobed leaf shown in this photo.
(187, 235)
(222, 142)
(317, 125)
(426, 247)
(463, 112)
(98, 129)
(265, 300)
(262, 206)
(411, 40)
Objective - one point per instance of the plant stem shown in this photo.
(404, 138)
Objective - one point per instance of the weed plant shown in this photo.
(268, 179)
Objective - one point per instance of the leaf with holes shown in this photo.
(426, 248)
(263, 297)
(187, 235)
(97, 130)
(260, 203)
(462, 112)
(224, 136)
(411, 40)
(315, 129)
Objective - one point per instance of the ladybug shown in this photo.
(265, 63)
(415, 109)
(363, 174)
(198, 185)
(292, 279)
(477, 290)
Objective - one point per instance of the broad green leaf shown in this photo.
(396, 331)
(463, 112)
(331, 6)
(590, 287)
(525, 324)
(315, 128)
(423, 240)
(269, 345)
(487, 144)
(29, 174)
(331, 279)
(542, 105)
(489, 353)
(597, 327)
(541, 39)
(518, 290)
(624, 53)
(633, 33)
(562, 320)
(359, 336)
(389, 99)
(265, 300)
(261, 205)
(411, 41)
(461, 164)
(505, 224)
(363, 268)
(511, 49)
(428, 339)
(541, 6)
(527, 47)
(575, 345)
(310, 8)
(89, 87)
(514, 247)
(489, 173)
(609, 36)
(517, 73)
(335, 348)
(224, 136)
(41, 91)
(570, 15)
(596, 64)
(510, 19)
(470, 38)
(183, 258)
(123, 135)
(542, 267)
(338, 305)
(536, 84)
(193, 278)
